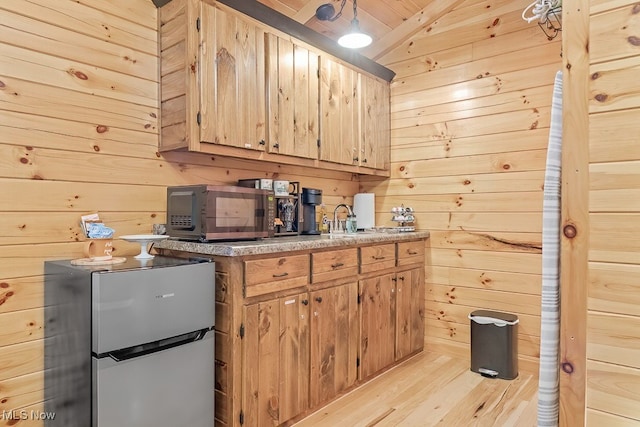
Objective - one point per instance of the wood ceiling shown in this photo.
(389, 22)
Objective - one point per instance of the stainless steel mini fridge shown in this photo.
(130, 344)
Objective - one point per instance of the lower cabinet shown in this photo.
(378, 324)
(409, 312)
(334, 341)
(392, 319)
(275, 360)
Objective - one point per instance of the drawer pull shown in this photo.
(378, 258)
(305, 302)
(412, 252)
(337, 264)
(401, 278)
(285, 274)
(319, 299)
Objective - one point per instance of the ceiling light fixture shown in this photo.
(355, 38)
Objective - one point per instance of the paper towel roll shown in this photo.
(364, 206)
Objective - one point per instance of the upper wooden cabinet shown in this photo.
(211, 78)
(292, 98)
(375, 120)
(233, 86)
(232, 94)
(339, 113)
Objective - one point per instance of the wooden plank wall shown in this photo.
(79, 134)
(613, 304)
(470, 121)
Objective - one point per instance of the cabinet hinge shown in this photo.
(241, 330)
(199, 118)
(318, 142)
(358, 298)
(357, 362)
(241, 418)
(198, 24)
(244, 290)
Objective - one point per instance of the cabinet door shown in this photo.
(339, 118)
(232, 93)
(293, 98)
(275, 360)
(375, 123)
(409, 312)
(334, 342)
(378, 324)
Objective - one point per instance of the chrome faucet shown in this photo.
(336, 224)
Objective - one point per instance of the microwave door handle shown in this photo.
(156, 346)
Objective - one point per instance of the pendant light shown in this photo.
(355, 38)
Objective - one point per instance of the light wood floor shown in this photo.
(432, 389)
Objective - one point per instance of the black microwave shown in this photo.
(219, 212)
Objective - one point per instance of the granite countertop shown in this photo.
(286, 244)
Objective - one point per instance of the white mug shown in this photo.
(281, 188)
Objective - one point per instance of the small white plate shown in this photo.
(144, 240)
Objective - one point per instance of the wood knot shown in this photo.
(634, 40)
(24, 160)
(79, 74)
(595, 76)
(2, 85)
(4, 285)
(567, 368)
(570, 231)
(636, 9)
(402, 168)
(466, 182)
(101, 128)
(96, 148)
(506, 166)
(601, 97)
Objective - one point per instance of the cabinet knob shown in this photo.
(305, 302)
(355, 159)
(395, 279)
(262, 142)
(401, 278)
(364, 160)
(319, 299)
(276, 145)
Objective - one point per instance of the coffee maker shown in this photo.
(311, 197)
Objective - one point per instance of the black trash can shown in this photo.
(494, 344)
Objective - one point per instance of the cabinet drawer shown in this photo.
(334, 264)
(262, 276)
(410, 252)
(378, 257)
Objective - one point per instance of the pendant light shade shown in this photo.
(355, 38)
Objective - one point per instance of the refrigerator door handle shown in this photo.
(156, 346)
